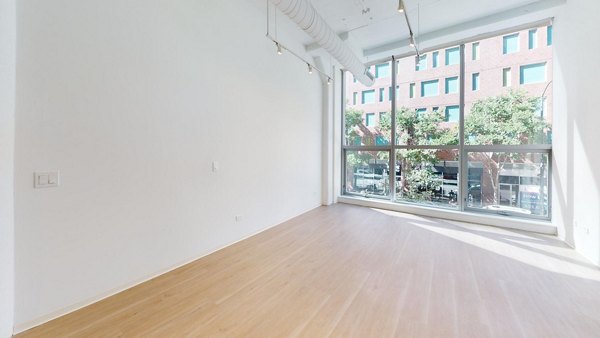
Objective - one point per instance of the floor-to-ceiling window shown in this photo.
(459, 129)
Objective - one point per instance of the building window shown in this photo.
(421, 62)
(475, 51)
(390, 93)
(370, 119)
(382, 70)
(430, 88)
(535, 73)
(475, 81)
(451, 85)
(452, 56)
(549, 32)
(354, 98)
(452, 114)
(421, 111)
(368, 96)
(532, 38)
(381, 94)
(381, 140)
(506, 77)
(435, 58)
(382, 116)
(510, 44)
(411, 91)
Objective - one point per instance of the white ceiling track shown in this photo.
(307, 18)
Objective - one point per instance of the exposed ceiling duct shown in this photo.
(307, 18)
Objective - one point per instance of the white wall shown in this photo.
(576, 137)
(7, 129)
(132, 101)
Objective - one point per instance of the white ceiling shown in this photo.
(375, 27)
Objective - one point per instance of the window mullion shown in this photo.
(463, 158)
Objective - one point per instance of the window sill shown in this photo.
(543, 227)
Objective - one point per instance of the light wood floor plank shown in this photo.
(348, 271)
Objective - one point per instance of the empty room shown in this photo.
(299, 168)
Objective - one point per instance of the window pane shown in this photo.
(452, 114)
(420, 115)
(511, 44)
(367, 173)
(382, 70)
(508, 183)
(475, 81)
(436, 59)
(452, 85)
(475, 51)
(452, 56)
(370, 120)
(421, 63)
(505, 106)
(549, 32)
(428, 177)
(429, 88)
(535, 73)
(532, 38)
(368, 96)
(363, 125)
(506, 77)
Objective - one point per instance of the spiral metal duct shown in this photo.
(307, 18)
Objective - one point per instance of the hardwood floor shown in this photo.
(349, 271)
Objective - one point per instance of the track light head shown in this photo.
(328, 81)
(279, 49)
(411, 41)
(401, 6)
(309, 68)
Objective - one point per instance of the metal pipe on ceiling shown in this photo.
(307, 18)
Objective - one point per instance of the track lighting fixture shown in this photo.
(309, 68)
(401, 6)
(328, 81)
(279, 49)
(411, 41)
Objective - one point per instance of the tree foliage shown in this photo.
(507, 119)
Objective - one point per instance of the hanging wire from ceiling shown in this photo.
(281, 48)
(412, 42)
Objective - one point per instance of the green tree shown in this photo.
(418, 180)
(509, 119)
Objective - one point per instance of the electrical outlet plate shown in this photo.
(45, 179)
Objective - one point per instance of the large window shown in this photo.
(486, 150)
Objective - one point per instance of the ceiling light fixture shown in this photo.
(401, 6)
(309, 68)
(411, 40)
(328, 81)
(279, 49)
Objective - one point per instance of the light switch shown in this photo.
(45, 179)
(215, 166)
(42, 179)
